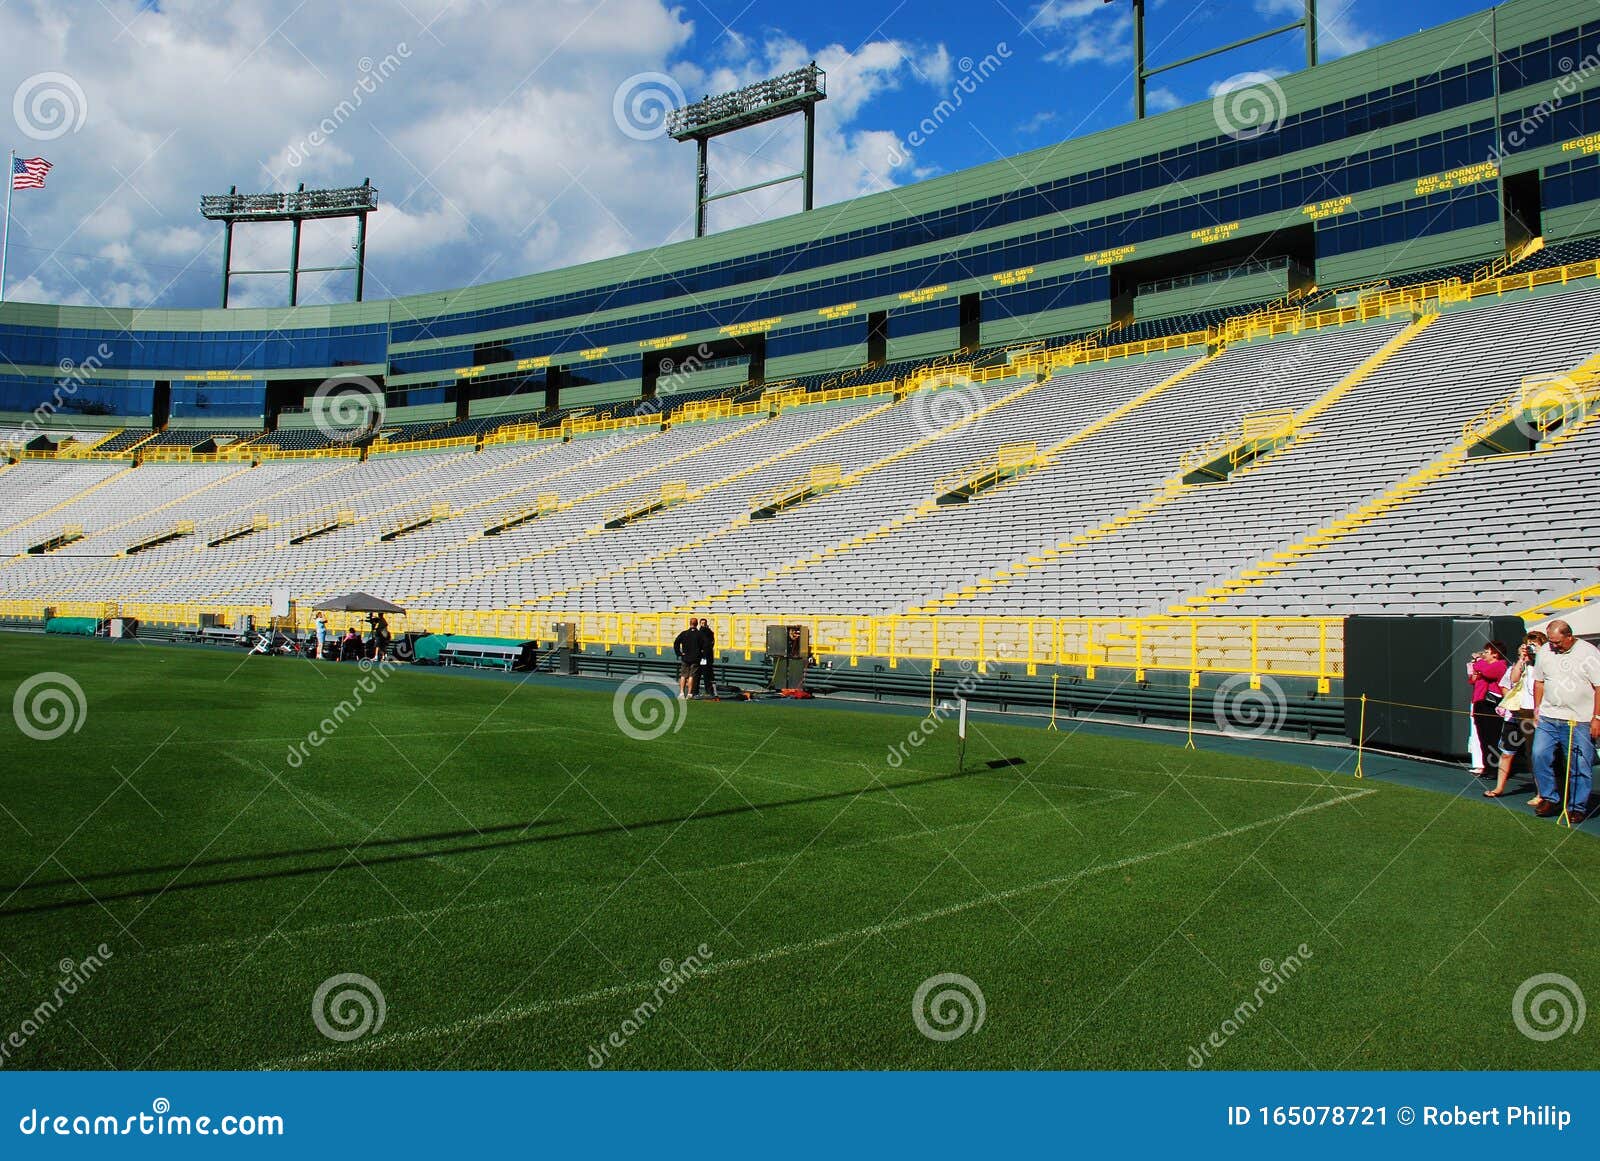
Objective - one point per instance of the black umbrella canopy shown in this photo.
(358, 603)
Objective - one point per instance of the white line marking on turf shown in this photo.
(469, 1024)
(206, 946)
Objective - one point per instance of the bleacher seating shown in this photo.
(193, 437)
(1560, 254)
(125, 440)
(1103, 524)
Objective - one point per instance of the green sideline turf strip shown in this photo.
(512, 872)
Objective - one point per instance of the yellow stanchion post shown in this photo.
(1188, 742)
(933, 667)
(1566, 787)
(1361, 738)
(1055, 678)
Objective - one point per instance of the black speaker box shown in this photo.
(1413, 673)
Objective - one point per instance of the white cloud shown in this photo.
(1338, 33)
(1160, 99)
(491, 140)
(1091, 31)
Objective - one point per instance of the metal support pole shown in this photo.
(700, 188)
(361, 254)
(227, 259)
(1138, 60)
(294, 266)
(5, 237)
(1311, 34)
(811, 151)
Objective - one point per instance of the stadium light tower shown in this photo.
(301, 206)
(782, 96)
(1141, 73)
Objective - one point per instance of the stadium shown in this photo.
(1094, 543)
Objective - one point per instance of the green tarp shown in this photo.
(75, 626)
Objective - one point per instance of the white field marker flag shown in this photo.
(961, 733)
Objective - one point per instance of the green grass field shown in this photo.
(514, 874)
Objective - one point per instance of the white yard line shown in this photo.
(470, 1024)
(207, 946)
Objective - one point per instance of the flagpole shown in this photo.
(5, 235)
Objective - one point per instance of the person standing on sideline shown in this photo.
(1566, 715)
(1516, 711)
(380, 637)
(1485, 670)
(686, 647)
(707, 680)
(322, 636)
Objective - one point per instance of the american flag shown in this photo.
(28, 173)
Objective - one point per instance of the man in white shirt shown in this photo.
(1566, 708)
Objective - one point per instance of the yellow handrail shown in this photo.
(1311, 647)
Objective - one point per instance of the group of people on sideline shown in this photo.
(1543, 702)
(352, 646)
(696, 650)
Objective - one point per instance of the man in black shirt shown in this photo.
(686, 646)
(708, 660)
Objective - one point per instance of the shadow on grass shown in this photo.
(352, 859)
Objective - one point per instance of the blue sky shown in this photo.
(492, 126)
